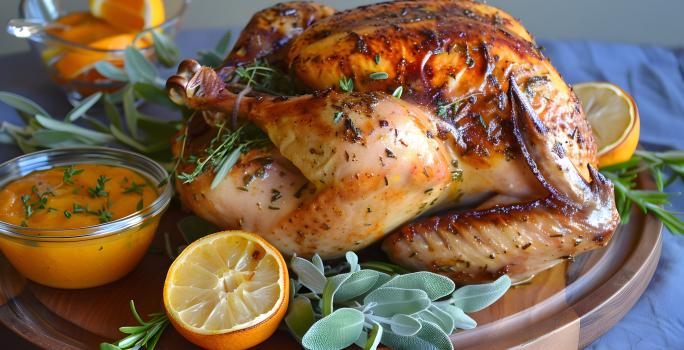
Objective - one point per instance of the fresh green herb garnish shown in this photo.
(144, 336)
(69, 173)
(374, 303)
(224, 151)
(67, 214)
(346, 84)
(99, 189)
(79, 209)
(139, 206)
(377, 58)
(104, 215)
(337, 117)
(28, 208)
(659, 164)
(135, 188)
(378, 76)
(398, 92)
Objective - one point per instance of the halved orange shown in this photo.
(129, 15)
(228, 290)
(614, 119)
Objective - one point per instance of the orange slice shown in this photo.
(228, 290)
(76, 62)
(129, 15)
(614, 119)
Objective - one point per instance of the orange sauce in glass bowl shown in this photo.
(65, 201)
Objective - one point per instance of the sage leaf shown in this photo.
(110, 71)
(111, 111)
(209, 59)
(167, 52)
(193, 228)
(372, 339)
(58, 139)
(318, 262)
(96, 124)
(23, 104)
(128, 141)
(436, 286)
(430, 336)
(358, 283)
(335, 331)
(439, 317)
(82, 107)
(388, 301)
(385, 267)
(138, 68)
(476, 297)
(353, 261)
(222, 44)
(96, 137)
(154, 94)
(405, 325)
(461, 320)
(308, 274)
(332, 285)
(5, 137)
(107, 346)
(225, 167)
(130, 113)
(300, 316)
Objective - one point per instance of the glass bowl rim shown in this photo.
(167, 23)
(114, 227)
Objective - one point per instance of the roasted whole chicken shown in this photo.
(437, 126)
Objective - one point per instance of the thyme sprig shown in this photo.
(659, 164)
(224, 151)
(144, 336)
(69, 173)
(99, 189)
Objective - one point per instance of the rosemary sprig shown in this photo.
(659, 164)
(146, 335)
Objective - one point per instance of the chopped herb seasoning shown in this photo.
(67, 214)
(69, 173)
(99, 189)
(104, 215)
(275, 195)
(28, 208)
(139, 206)
(398, 92)
(337, 117)
(135, 188)
(346, 84)
(470, 62)
(377, 58)
(379, 76)
(389, 153)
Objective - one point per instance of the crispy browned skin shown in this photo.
(515, 145)
(270, 30)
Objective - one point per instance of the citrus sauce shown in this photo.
(64, 201)
(74, 197)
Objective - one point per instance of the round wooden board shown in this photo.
(566, 307)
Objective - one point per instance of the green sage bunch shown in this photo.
(371, 304)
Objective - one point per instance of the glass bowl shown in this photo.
(70, 63)
(88, 256)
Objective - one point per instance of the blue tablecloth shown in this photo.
(653, 75)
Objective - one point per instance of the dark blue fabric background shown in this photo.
(653, 75)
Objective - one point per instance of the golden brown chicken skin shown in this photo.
(483, 166)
